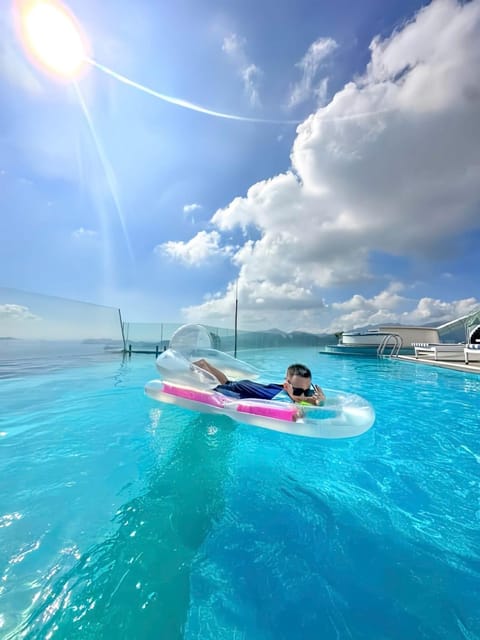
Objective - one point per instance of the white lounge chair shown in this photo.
(472, 353)
(439, 351)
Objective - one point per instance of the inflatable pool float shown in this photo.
(343, 415)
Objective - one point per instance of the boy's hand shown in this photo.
(289, 389)
(319, 396)
(317, 399)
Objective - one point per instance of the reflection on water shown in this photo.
(20, 358)
(136, 582)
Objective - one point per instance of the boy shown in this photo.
(298, 385)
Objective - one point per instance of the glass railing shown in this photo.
(155, 337)
(33, 317)
(27, 317)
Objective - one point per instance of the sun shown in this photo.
(52, 37)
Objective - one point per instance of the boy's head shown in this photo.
(300, 377)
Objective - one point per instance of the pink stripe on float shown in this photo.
(286, 412)
(207, 397)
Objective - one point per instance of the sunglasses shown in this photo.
(298, 391)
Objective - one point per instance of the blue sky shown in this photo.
(348, 195)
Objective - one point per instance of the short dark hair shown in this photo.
(299, 370)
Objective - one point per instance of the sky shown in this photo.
(321, 160)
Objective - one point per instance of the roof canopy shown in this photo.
(469, 322)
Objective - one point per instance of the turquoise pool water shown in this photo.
(123, 518)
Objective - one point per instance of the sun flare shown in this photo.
(52, 36)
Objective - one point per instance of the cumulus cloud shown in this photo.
(309, 66)
(389, 307)
(190, 208)
(284, 306)
(16, 312)
(235, 48)
(429, 310)
(202, 248)
(391, 165)
(406, 178)
(305, 311)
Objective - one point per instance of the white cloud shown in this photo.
(309, 66)
(261, 305)
(251, 76)
(197, 251)
(294, 240)
(84, 233)
(430, 310)
(235, 48)
(299, 309)
(16, 312)
(390, 165)
(190, 208)
(391, 308)
(415, 165)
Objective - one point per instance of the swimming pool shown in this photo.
(123, 518)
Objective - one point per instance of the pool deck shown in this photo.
(472, 367)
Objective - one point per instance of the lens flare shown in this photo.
(52, 37)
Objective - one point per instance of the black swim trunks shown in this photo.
(243, 389)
